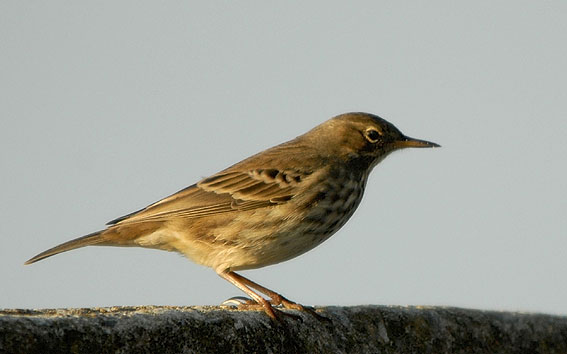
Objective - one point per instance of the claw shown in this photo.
(236, 301)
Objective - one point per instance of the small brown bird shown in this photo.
(266, 209)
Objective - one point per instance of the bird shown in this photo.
(266, 209)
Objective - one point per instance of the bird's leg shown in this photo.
(276, 299)
(235, 279)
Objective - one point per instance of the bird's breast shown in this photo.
(334, 203)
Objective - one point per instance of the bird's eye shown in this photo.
(372, 135)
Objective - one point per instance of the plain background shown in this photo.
(109, 106)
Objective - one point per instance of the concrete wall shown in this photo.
(359, 329)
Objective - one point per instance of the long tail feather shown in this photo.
(88, 240)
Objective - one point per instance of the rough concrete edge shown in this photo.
(198, 329)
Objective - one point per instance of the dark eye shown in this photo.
(372, 135)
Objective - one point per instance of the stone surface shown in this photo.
(359, 329)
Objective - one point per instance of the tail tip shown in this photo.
(30, 261)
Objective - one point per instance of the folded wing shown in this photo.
(223, 192)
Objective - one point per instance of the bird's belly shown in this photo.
(257, 244)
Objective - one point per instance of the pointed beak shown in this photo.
(407, 142)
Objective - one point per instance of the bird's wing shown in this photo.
(223, 192)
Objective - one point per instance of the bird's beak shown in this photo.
(407, 142)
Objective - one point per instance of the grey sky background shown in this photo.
(109, 106)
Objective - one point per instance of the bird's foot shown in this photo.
(279, 300)
(244, 303)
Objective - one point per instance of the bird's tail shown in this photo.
(95, 238)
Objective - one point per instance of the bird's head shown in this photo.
(363, 137)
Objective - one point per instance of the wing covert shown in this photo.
(222, 193)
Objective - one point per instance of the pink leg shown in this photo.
(245, 284)
(235, 280)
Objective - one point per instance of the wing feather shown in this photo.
(224, 192)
